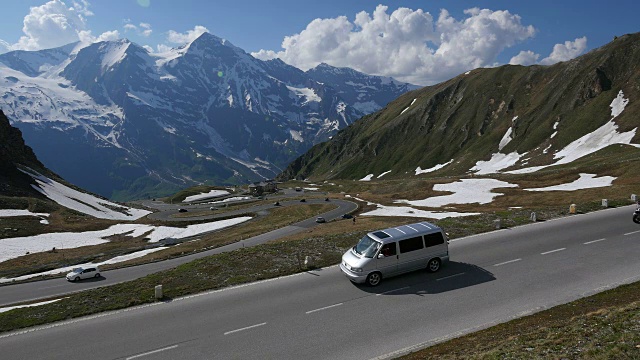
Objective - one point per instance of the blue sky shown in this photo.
(425, 42)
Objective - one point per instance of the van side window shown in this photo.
(411, 244)
(388, 249)
(434, 239)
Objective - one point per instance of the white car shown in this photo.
(80, 273)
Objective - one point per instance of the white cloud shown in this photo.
(144, 29)
(525, 58)
(561, 52)
(566, 51)
(82, 7)
(183, 38)
(407, 44)
(147, 29)
(55, 24)
(265, 54)
(163, 48)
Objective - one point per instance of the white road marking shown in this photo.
(245, 328)
(631, 233)
(552, 251)
(594, 241)
(390, 291)
(152, 352)
(507, 262)
(448, 277)
(324, 308)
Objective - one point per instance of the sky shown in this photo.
(419, 41)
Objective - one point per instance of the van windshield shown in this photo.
(366, 247)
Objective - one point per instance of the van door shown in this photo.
(388, 264)
(411, 255)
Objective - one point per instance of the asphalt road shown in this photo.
(24, 292)
(492, 278)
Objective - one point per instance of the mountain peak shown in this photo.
(209, 39)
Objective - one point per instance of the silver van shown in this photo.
(393, 251)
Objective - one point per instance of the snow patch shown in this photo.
(296, 135)
(497, 162)
(618, 104)
(505, 139)
(405, 211)
(12, 212)
(309, 94)
(432, 169)
(383, 174)
(602, 137)
(15, 247)
(367, 178)
(210, 194)
(585, 181)
(83, 202)
(465, 191)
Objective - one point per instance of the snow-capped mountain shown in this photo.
(120, 121)
(356, 87)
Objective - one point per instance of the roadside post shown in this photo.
(158, 292)
(572, 209)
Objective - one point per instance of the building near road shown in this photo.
(261, 187)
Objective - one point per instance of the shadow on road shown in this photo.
(90, 280)
(452, 276)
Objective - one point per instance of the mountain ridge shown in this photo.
(462, 122)
(142, 124)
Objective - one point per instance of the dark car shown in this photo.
(182, 210)
(347, 216)
(303, 200)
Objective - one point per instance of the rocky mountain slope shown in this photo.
(117, 120)
(13, 153)
(505, 119)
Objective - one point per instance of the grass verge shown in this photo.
(602, 326)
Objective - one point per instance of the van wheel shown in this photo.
(97, 275)
(374, 279)
(434, 265)
(76, 279)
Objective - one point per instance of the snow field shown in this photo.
(15, 247)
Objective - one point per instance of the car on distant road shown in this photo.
(182, 210)
(80, 273)
(347, 216)
(320, 219)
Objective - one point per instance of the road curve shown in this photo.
(492, 278)
(30, 291)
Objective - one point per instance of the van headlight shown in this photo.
(355, 269)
